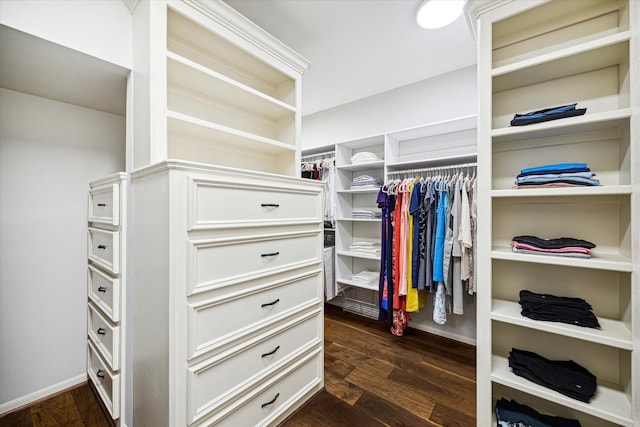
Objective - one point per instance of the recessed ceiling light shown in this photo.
(438, 13)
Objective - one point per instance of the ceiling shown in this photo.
(360, 48)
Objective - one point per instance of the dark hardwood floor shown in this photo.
(75, 407)
(372, 378)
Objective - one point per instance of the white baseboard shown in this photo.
(42, 393)
(445, 334)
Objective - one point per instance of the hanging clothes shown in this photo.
(323, 170)
(428, 243)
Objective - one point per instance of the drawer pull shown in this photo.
(101, 331)
(102, 289)
(99, 374)
(271, 402)
(270, 205)
(102, 247)
(270, 303)
(271, 352)
(102, 204)
(270, 254)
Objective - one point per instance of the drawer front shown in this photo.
(104, 291)
(105, 337)
(104, 204)
(220, 204)
(104, 249)
(271, 400)
(224, 262)
(107, 383)
(208, 382)
(214, 322)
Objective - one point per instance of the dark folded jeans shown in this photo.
(514, 412)
(547, 114)
(564, 376)
(561, 242)
(574, 311)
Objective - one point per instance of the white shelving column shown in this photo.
(359, 298)
(538, 54)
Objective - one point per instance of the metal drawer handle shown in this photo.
(270, 205)
(102, 289)
(100, 374)
(272, 401)
(271, 254)
(270, 303)
(102, 247)
(102, 204)
(271, 352)
(101, 331)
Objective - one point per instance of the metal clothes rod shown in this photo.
(325, 153)
(433, 169)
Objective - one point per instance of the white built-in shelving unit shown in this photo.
(358, 297)
(227, 238)
(538, 54)
(445, 143)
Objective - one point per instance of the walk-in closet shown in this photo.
(281, 213)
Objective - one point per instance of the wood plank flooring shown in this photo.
(372, 378)
(74, 407)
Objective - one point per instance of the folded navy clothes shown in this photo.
(564, 376)
(559, 243)
(513, 413)
(573, 311)
(547, 114)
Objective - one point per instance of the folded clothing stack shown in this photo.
(514, 414)
(563, 246)
(557, 175)
(366, 277)
(366, 181)
(367, 248)
(547, 114)
(574, 311)
(364, 157)
(365, 214)
(564, 376)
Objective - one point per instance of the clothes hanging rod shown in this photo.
(433, 169)
(324, 153)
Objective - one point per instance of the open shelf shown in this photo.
(357, 255)
(350, 282)
(593, 55)
(612, 262)
(198, 44)
(362, 166)
(609, 402)
(613, 333)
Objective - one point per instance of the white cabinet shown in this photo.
(227, 244)
(533, 55)
(228, 314)
(106, 283)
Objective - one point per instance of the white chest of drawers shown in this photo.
(106, 285)
(227, 302)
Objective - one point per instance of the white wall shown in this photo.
(49, 151)
(444, 97)
(100, 28)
